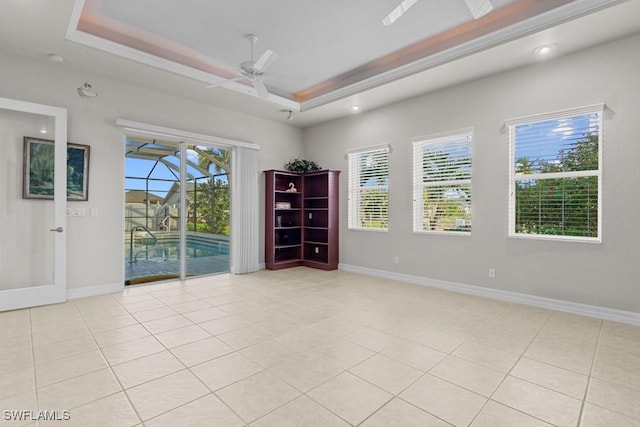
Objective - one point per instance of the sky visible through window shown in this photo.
(543, 141)
(142, 168)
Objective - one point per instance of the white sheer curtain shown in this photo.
(244, 211)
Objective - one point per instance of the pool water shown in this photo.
(168, 247)
(204, 255)
(196, 249)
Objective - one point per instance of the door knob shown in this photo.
(58, 229)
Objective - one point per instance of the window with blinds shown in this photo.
(369, 188)
(442, 184)
(555, 164)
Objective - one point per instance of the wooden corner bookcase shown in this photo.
(301, 226)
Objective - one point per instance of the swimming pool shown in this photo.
(205, 254)
(195, 247)
(167, 246)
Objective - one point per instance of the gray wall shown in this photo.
(604, 274)
(95, 253)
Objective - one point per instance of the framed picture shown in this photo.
(37, 172)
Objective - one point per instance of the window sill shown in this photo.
(375, 230)
(445, 233)
(552, 238)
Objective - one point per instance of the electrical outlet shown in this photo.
(396, 259)
(492, 273)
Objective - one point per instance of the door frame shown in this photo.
(181, 154)
(55, 292)
(244, 238)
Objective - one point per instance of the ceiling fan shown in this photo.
(478, 9)
(254, 70)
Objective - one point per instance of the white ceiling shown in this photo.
(333, 54)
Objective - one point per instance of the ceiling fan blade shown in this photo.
(265, 61)
(261, 89)
(479, 8)
(224, 82)
(398, 12)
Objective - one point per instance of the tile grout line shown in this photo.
(425, 373)
(187, 368)
(593, 362)
(490, 398)
(306, 301)
(33, 359)
(163, 376)
(122, 389)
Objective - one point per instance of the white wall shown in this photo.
(604, 274)
(95, 244)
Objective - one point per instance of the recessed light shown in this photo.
(544, 49)
(43, 130)
(355, 108)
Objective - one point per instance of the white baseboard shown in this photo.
(532, 300)
(94, 290)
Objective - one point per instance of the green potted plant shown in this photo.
(301, 166)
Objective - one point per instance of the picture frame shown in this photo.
(38, 170)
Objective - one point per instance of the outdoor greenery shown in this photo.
(446, 207)
(559, 206)
(212, 197)
(374, 208)
(372, 191)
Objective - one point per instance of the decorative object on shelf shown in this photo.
(37, 174)
(300, 165)
(283, 205)
(292, 188)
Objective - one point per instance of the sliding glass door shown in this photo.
(177, 207)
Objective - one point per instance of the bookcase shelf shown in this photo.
(301, 226)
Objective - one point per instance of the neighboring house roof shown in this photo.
(141, 196)
(173, 195)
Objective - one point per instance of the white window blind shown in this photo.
(442, 184)
(555, 185)
(369, 188)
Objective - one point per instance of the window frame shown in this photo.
(354, 191)
(418, 187)
(515, 177)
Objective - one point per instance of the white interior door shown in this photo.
(32, 225)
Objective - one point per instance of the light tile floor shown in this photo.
(304, 347)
